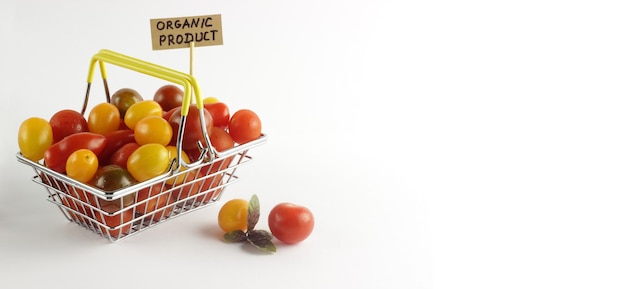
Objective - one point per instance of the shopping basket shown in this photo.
(184, 188)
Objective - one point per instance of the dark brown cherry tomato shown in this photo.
(169, 96)
(124, 98)
(112, 177)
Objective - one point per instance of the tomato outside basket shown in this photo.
(183, 189)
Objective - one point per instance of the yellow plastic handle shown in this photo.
(186, 80)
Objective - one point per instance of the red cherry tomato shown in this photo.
(290, 223)
(244, 126)
(115, 141)
(66, 122)
(193, 129)
(220, 139)
(120, 157)
(220, 113)
(168, 114)
(169, 96)
(55, 157)
(117, 224)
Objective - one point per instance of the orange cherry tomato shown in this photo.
(233, 215)
(103, 119)
(153, 129)
(82, 165)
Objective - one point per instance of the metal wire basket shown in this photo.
(184, 188)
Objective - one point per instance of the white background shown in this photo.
(440, 144)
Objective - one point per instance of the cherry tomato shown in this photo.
(219, 112)
(210, 188)
(34, 137)
(116, 224)
(104, 118)
(169, 96)
(66, 122)
(209, 99)
(233, 215)
(82, 165)
(71, 204)
(124, 98)
(148, 161)
(244, 126)
(168, 114)
(185, 189)
(193, 128)
(290, 223)
(140, 110)
(56, 155)
(148, 199)
(220, 139)
(120, 157)
(153, 129)
(161, 210)
(111, 178)
(114, 141)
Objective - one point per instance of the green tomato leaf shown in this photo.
(254, 212)
(235, 236)
(262, 240)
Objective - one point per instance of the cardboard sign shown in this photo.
(170, 33)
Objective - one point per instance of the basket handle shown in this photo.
(186, 80)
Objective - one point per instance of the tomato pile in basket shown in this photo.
(122, 131)
(131, 139)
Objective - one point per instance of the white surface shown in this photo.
(453, 144)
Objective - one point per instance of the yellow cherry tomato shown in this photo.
(153, 129)
(141, 109)
(104, 118)
(233, 215)
(209, 99)
(148, 161)
(82, 165)
(34, 137)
